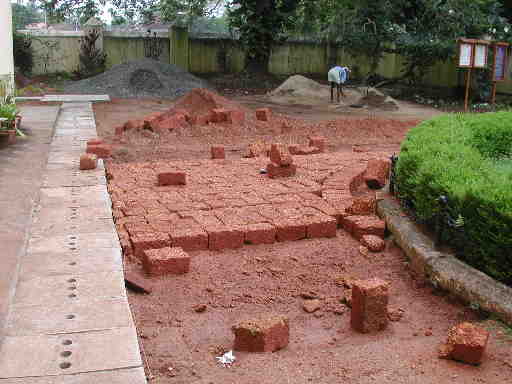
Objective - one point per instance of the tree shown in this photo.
(24, 14)
(260, 24)
(187, 11)
(432, 27)
(132, 11)
(76, 11)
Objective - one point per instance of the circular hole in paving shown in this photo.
(65, 365)
(71, 280)
(65, 353)
(72, 263)
(67, 342)
(72, 288)
(70, 317)
(72, 243)
(72, 296)
(72, 237)
(73, 248)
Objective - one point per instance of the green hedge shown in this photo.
(467, 159)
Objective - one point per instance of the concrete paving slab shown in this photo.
(52, 229)
(71, 171)
(74, 197)
(70, 216)
(75, 98)
(19, 188)
(86, 261)
(118, 376)
(69, 318)
(72, 242)
(26, 356)
(82, 180)
(56, 290)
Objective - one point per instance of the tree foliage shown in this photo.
(260, 24)
(25, 14)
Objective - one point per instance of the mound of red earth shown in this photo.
(202, 108)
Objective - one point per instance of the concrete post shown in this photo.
(6, 49)
(179, 47)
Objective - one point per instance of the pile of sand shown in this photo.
(373, 98)
(300, 90)
(144, 78)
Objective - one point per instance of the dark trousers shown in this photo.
(339, 91)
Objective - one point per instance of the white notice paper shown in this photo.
(465, 55)
(480, 56)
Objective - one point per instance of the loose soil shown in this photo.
(180, 345)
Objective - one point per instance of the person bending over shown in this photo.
(337, 76)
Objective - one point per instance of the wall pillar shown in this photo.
(6, 49)
(179, 47)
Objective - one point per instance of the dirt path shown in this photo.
(181, 344)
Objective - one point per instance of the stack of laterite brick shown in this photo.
(158, 254)
(361, 220)
(281, 162)
(95, 149)
(316, 145)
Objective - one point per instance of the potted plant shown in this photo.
(8, 121)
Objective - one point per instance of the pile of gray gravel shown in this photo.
(144, 78)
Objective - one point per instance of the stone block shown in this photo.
(133, 124)
(262, 335)
(377, 173)
(88, 161)
(320, 226)
(103, 151)
(279, 155)
(318, 142)
(261, 233)
(189, 238)
(219, 115)
(263, 114)
(218, 152)
(165, 261)
(466, 342)
(373, 243)
(236, 117)
(359, 226)
(361, 206)
(170, 177)
(303, 150)
(169, 124)
(224, 237)
(119, 130)
(149, 240)
(94, 142)
(290, 229)
(258, 149)
(369, 305)
(274, 171)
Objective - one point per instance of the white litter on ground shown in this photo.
(227, 359)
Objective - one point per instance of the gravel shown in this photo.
(144, 78)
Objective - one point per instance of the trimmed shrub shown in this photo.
(467, 159)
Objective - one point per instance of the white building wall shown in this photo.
(6, 50)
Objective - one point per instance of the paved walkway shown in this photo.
(21, 169)
(69, 319)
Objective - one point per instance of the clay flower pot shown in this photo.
(7, 136)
